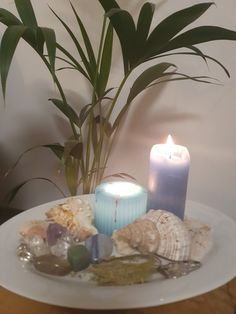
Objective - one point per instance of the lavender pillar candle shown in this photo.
(168, 177)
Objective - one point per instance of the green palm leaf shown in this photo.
(50, 40)
(125, 29)
(85, 61)
(67, 110)
(140, 84)
(195, 53)
(124, 25)
(86, 40)
(56, 148)
(172, 25)
(7, 18)
(9, 43)
(147, 77)
(73, 60)
(143, 25)
(26, 12)
(199, 35)
(105, 66)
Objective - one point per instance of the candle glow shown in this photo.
(122, 188)
(117, 204)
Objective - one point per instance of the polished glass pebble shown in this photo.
(24, 253)
(55, 232)
(79, 257)
(52, 265)
(99, 246)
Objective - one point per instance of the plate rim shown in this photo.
(188, 294)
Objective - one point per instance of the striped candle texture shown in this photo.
(117, 204)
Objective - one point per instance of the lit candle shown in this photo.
(117, 204)
(168, 177)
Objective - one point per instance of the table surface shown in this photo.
(218, 301)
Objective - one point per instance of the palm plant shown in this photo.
(85, 154)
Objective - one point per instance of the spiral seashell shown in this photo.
(175, 240)
(159, 232)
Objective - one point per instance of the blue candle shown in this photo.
(117, 204)
(168, 177)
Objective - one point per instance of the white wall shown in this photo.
(199, 116)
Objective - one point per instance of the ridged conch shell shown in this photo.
(170, 237)
(76, 215)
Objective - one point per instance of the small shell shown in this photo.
(201, 238)
(174, 236)
(76, 216)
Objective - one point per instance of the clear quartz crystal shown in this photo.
(60, 248)
(37, 245)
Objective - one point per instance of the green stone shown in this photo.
(52, 265)
(79, 257)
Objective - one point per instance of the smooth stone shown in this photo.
(99, 246)
(52, 265)
(55, 232)
(79, 257)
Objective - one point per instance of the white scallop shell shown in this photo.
(174, 238)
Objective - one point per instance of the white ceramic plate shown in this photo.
(219, 266)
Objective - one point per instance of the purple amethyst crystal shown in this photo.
(55, 232)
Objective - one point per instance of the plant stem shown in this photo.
(101, 128)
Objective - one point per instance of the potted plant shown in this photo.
(85, 154)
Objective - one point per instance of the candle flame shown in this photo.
(170, 145)
(169, 140)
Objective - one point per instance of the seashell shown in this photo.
(34, 228)
(174, 236)
(159, 232)
(201, 238)
(76, 215)
(140, 236)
